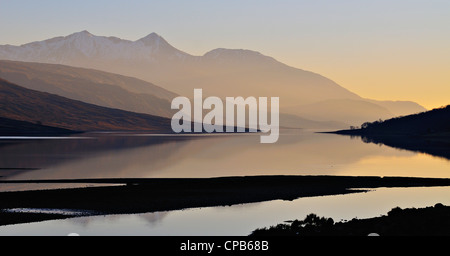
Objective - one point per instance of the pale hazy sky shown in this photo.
(383, 49)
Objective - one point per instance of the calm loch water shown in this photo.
(297, 152)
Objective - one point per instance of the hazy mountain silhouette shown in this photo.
(294, 121)
(41, 108)
(90, 86)
(220, 72)
(356, 111)
(427, 132)
(399, 108)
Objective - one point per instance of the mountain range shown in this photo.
(220, 72)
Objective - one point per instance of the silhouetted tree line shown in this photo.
(311, 225)
(434, 121)
(429, 221)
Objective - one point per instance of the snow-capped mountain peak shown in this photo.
(155, 43)
(152, 38)
(84, 45)
(83, 33)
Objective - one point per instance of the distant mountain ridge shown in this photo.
(220, 72)
(61, 50)
(90, 86)
(44, 109)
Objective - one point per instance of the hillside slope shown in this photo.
(435, 122)
(427, 132)
(90, 86)
(22, 104)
